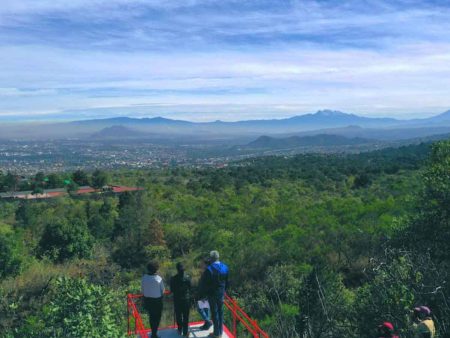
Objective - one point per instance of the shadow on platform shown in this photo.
(194, 332)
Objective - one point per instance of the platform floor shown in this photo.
(194, 332)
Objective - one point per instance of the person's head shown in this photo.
(205, 262)
(386, 329)
(180, 268)
(422, 312)
(152, 267)
(214, 255)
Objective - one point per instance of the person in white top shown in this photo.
(152, 287)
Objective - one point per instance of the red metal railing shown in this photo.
(239, 316)
(134, 314)
(136, 325)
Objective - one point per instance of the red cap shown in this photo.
(388, 325)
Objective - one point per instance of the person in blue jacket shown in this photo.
(215, 284)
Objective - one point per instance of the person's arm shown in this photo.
(162, 287)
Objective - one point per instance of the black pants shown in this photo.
(154, 307)
(182, 308)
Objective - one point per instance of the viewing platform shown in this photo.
(237, 323)
(194, 332)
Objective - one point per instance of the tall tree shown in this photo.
(55, 181)
(63, 240)
(11, 181)
(100, 178)
(80, 177)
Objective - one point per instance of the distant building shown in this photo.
(86, 190)
(119, 189)
(28, 195)
(52, 193)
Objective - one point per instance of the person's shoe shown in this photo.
(206, 326)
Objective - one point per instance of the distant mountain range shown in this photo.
(118, 131)
(323, 118)
(325, 140)
(321, 122)
(130, 120)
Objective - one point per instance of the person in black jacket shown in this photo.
(180, 285)
(202, 298)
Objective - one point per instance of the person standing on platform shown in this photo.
(180, 285)
(202, 300)
(203, 310)
(152, 287)
(215, 284)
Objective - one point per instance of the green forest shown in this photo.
(318, 245)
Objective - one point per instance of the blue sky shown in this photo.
(223, 59)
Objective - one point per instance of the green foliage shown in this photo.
(100, 178)
(429, 230)
(388, 297)
(319, 245)
(62, 240)
(7, 212)
(436, 195)
(12, 252)
(80, 178)
(72, 187)
(326, 305)
(276, 299)
(9, 182)
(38, 183)
(76, 308)
(179, 237)
(54, 181)
(102, 217)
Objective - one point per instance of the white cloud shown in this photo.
(184, 54)
(15, 92)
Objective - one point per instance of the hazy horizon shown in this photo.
(69, 118)
(222, 60)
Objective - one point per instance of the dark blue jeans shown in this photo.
(216, 305)
(204, 313)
